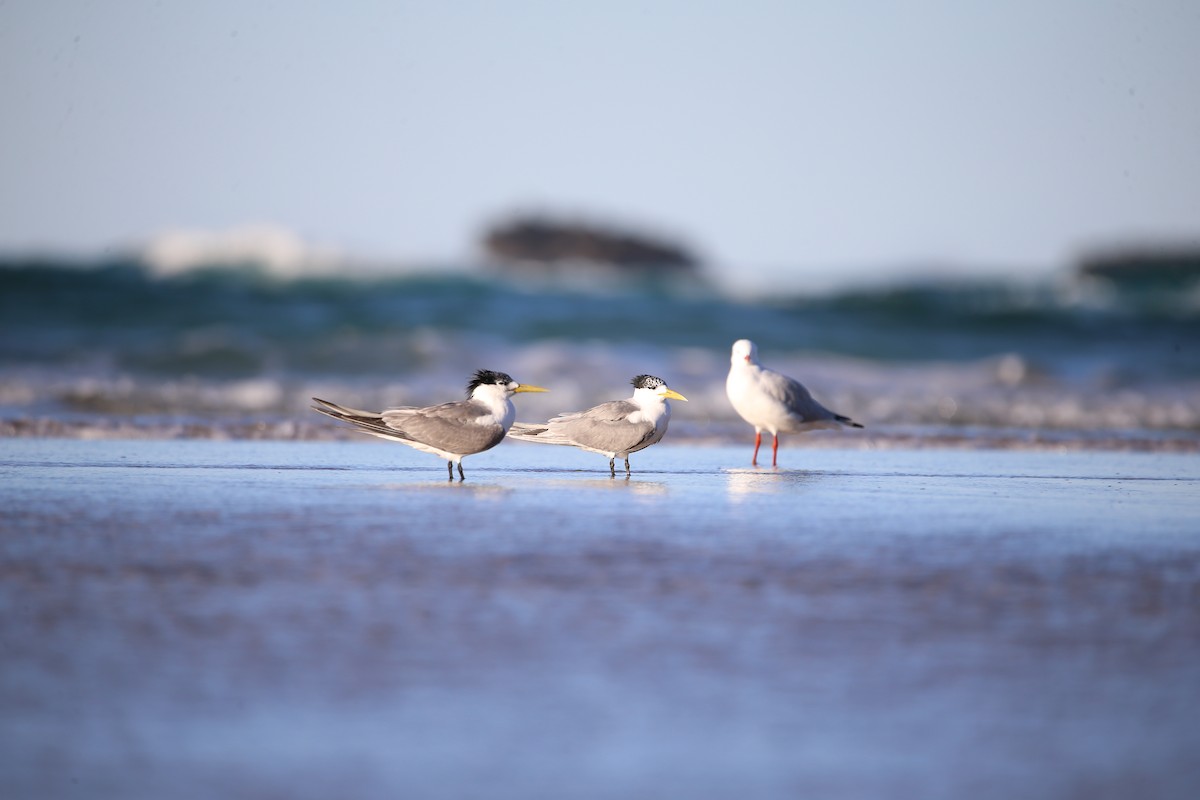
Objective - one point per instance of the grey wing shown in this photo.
(605, 427)
(796, 398)
(452, 427)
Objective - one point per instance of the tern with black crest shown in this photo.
(613, 429)
(450, 430)
(773, 402)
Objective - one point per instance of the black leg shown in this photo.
(461, 476)
(626, 465)
(450, 469)
(612, 469)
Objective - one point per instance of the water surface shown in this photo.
(199, 619)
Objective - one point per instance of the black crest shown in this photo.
(647, 382)
(486, 377)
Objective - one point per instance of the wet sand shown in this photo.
(200, 619)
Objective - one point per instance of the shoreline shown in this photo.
(884, 437)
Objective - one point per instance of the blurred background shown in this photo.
(948, 221)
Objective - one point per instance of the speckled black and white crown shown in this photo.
(647, 382)
(486, 377)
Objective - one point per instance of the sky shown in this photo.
(779, 140)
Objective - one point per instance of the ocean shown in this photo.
(123, 348)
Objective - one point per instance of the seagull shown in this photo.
(451, 430)
(615, 428)
(771, 401)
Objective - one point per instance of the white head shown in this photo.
(744, 352)
(649, 389)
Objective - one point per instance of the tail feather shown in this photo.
(527, 432)
(365, 421)
(847, 421)
(344, 411)
(520, 429)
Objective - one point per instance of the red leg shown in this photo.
(774, 449)
(757, 442)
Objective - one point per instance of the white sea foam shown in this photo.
(277, 250)
(268, 249)
(906, 402)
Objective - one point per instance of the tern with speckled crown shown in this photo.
(450, 430)
(612, 429)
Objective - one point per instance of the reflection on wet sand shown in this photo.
(481, 490)
(617, 483)
(742, 482)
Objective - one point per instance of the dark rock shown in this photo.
(536, 240)
(1163, 267)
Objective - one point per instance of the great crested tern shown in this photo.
(615, 428)
(771, 401)
(450, 430)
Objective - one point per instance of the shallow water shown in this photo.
(247, 619)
